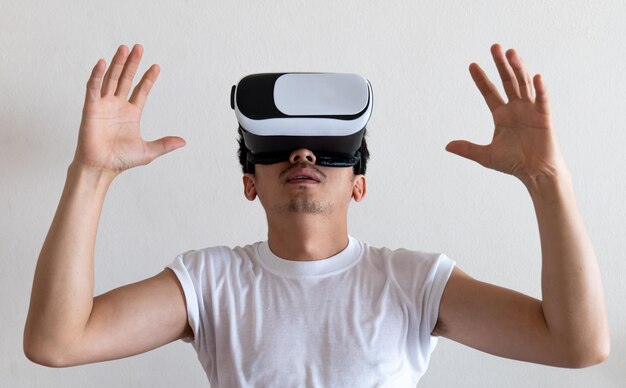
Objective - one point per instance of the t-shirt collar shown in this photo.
(293, 268)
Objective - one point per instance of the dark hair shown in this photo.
(359, 168)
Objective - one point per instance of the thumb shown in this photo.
(164, 145)
(471, 151)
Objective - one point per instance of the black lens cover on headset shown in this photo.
(321, 158)
(324, 112)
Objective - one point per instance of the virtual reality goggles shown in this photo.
(281, 112)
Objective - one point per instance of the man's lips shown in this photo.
(303, 175)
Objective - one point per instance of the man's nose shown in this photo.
(302, 155)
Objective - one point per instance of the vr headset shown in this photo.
(281, 112)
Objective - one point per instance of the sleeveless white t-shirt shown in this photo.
(361, 318)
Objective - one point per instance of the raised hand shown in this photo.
(524, 143)
(109, 137)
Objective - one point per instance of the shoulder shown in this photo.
(403, 259)
(217, 258)
(415, 271)
(220, 251)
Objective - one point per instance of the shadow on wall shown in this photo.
(616, 363)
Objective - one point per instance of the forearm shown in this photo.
(62, 293)
(573, 300)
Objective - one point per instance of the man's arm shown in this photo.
(568, 328)
(66, 325)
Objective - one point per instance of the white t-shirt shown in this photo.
(361, 318)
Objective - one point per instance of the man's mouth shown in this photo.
(300, 179)
(303, 175)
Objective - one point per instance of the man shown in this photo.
(312, 305)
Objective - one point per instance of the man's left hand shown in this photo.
(524, 144)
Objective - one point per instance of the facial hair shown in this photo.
(307, 206)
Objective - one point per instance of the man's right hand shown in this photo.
(66, 325)
(109, 139)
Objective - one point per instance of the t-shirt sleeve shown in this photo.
(184, 275)
(434, 284)
(423, 277)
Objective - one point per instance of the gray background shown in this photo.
(415, 53)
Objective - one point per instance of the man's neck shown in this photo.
(307, 238)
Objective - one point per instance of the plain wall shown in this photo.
(415, 54)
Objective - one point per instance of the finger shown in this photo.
(477, 153)
(128, 73)
(524, 81)
(541, 102)
(506, 72)
(486, 87)
(164, 145)
(140, 93)
(95, 82)
(113, 73)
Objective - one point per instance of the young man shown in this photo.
(312, 305)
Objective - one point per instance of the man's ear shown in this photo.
(249, 186)
(359, 188)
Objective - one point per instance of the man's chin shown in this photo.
(305, 205)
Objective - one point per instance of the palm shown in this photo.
(110, 134)
(523, 142)
(109, 137)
